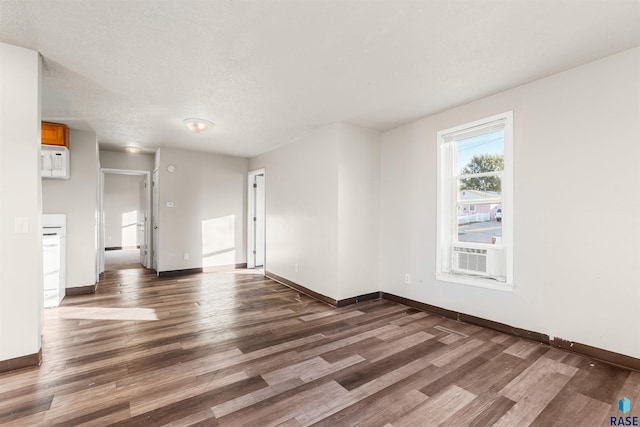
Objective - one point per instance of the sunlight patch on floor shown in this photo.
(232, 270)
(105, 313)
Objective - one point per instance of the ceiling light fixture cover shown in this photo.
(133, 149)
(198, 125)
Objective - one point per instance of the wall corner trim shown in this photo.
(323, 298)
(293, 285)
(228, 267)
(360, 298)
(596, 353)
(81, 290)
(183, 272)
(584, 350)
(27, 361)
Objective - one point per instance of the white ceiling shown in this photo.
(267, 72)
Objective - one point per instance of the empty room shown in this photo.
(330, 213)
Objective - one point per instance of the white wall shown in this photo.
(119, 160)
(208, 218)
(358, 211)
(322, 211)
(121, 198)
(301, 199)
(576, 208)
(20, 191)
(77, 198)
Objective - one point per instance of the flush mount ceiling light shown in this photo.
(133, 149)
(197, 125)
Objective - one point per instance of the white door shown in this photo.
(101, 227)
(142, 221)
(154, 219)
(259, 221)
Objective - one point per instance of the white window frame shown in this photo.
(447, 207)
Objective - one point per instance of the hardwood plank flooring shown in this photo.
(237, 349)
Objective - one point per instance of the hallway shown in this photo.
(121, 259)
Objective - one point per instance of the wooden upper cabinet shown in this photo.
(55, 134)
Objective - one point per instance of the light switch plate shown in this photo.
(21, 224)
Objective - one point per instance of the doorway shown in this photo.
(125, 202)
(256, 216)
(154, 220)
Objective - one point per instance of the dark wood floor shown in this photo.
(236, 349)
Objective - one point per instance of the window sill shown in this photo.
(478, 282)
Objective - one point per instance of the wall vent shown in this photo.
(469, 260)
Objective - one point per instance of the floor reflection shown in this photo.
(106, 313)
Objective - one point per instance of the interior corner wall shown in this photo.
(117, 160)
(77, 197)
(205, 220)
(576, 207)
(322, 210)
(156, 159)
(21, 298)
(358, 211)
(301, 198)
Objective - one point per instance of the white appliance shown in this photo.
(54, 230)
(476, 260)
(54, 162)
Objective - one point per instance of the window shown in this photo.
(475, 203)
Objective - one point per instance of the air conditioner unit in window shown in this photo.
(478, 261)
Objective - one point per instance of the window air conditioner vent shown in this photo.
(469, 260)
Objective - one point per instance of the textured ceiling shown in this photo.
(268, 72)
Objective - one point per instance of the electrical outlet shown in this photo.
(296, 268)
(407, 278)
(185, 256)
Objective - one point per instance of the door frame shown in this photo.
(155, 212)
(250, 224)
(102, 231)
